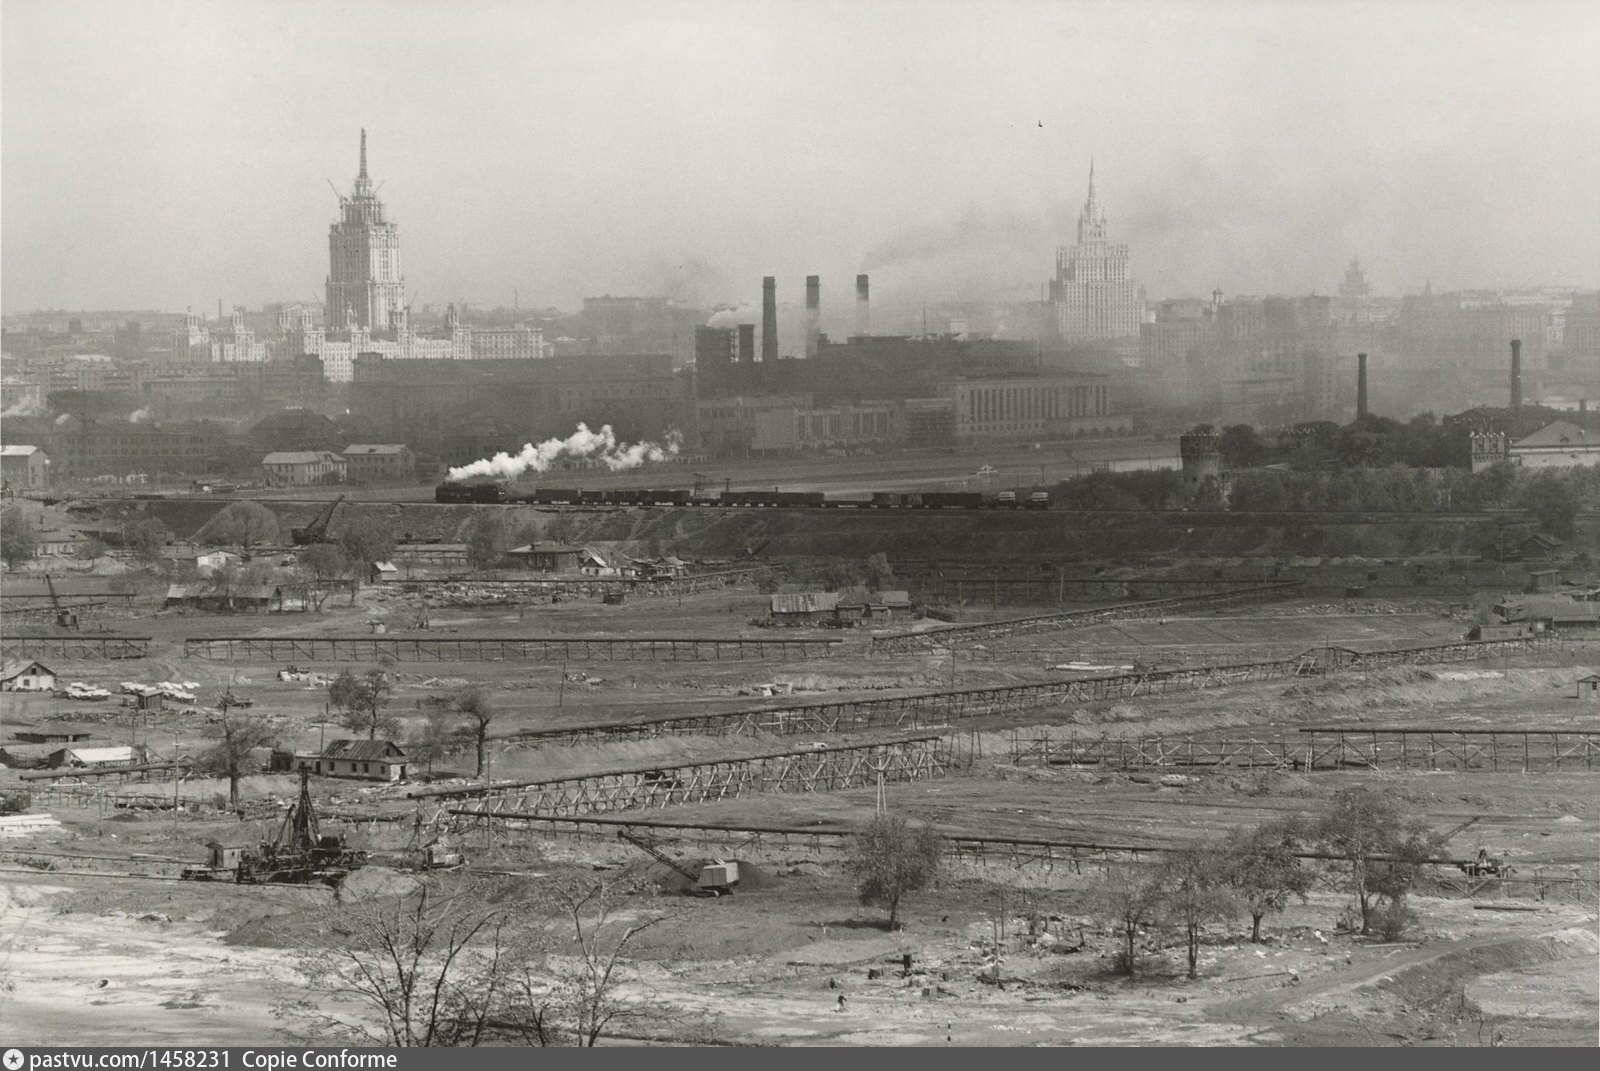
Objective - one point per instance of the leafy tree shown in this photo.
(560, 529)
(1367, 830)
(361, 701)
(486, 539)
(235, 735)
(1552, 504)
(479, 710)
(1259, 492)
(91, 550)
(437, 738)
(431, 969)
(18, 541)
(1197, 893)
(319, 567)
(1130, 898)
(366, 539)
(891, 858)
(879, 574)
(241, 524)
(145, 539)
(1241, 447)
(1262, 867)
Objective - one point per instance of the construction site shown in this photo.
(1063, 697)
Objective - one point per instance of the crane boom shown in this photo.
(317, 530)
(660, 856)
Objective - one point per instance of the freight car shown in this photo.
(495, 493)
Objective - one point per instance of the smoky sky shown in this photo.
(168, 154)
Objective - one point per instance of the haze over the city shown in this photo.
(159, 155)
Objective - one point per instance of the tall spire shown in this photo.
(363, 173)
(1091, 178)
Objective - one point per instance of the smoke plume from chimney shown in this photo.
(863, 307)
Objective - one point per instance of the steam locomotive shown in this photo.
(489, 493)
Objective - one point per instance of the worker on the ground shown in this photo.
(841, 1003)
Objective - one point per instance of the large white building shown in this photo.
(1093, 294)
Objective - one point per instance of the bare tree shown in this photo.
(319, 566)
(475, 705)
(236, 735)
(429, 970)
(1130, 897)
(564, 999)
(891, 858)
(1197, 893)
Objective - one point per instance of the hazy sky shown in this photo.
(164, 154)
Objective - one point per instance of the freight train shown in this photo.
(488, 493)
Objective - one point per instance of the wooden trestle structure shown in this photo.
(1341, 748)
(922, 710)
(500, 649)
(812, 769)
(903, 642)
(84, 647)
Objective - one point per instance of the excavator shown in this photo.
(317, 530)
(65, 618)
(713, 879)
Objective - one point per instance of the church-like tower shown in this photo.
(1093, 293)
(365, 285)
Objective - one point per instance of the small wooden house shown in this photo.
(26, 675)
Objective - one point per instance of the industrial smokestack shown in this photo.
(747, 343)
(1516, 373)
(813, 312)
(863, 307)
(1361, 386)
(769, 318)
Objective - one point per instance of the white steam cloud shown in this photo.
(63, 418)
(138, 416)
(601, 446)
(28, 406)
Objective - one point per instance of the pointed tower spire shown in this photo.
(1091, 178)
(363, 173)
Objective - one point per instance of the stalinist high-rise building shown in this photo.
(365, 287)
(1093, 294)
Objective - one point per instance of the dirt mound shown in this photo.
(375, 881)
(1445, 976)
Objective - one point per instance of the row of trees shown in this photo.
(1255, 870)
(1258, 871)
(1552, 497)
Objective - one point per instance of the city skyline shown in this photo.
(616, 167)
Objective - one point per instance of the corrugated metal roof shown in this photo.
(807, 602)
(363, 750)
